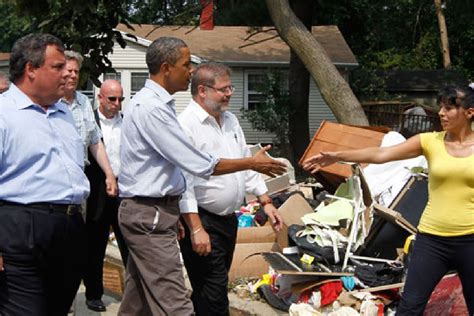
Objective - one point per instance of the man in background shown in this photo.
(85, 122)
(208, 206)
(102, 209)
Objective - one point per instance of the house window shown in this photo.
(255, 82)
(89, 90)
(113, 75)
(138, 81)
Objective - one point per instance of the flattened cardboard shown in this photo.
(291, 212)
(262, 234)
(245, 265)
(336, 137)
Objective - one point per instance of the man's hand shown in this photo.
(323, 159)
(201, 242)
(111, 185)
(275, 218)
(1, 263)
(181, 231)
(264, 164)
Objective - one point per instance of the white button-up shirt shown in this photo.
(154, 149)
(111, 129)
(221, 194)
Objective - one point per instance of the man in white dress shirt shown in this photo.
(102, 208)
(208, 206)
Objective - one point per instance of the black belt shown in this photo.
(154, 200)
(69, 209)
(206, 212)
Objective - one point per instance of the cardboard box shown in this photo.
(254, 240)
(247, 262)
(336, 137)
(291, 212)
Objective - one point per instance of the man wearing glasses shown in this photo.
(102, 209)
(208, 205)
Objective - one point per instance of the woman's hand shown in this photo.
(323, 159)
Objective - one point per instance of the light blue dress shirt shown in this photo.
(41, 154)
(154, 148)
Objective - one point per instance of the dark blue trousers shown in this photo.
(43, 255)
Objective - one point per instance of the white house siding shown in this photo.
(318, 109)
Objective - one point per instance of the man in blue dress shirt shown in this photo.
(154, 150)
(42, 184)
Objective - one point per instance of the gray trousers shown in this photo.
(154, 283)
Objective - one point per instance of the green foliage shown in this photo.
(271, 115)
(84, 26)
(242, 12)
(164, 12)
(13, 25)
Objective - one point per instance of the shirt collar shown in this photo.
(23, 101)
(201, 114)
(160, 91)
(112, 120)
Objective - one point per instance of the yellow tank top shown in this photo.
(450, 208)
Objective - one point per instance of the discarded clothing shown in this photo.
(330, 292)
(325, 254)
(379, 274)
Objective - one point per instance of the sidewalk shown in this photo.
(80, 308)
(238, 306)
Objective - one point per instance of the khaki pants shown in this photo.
(154, 283)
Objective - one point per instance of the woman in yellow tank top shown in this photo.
(445, 238)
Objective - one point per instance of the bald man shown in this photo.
(101, 208)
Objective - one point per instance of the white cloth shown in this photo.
(387, 180)
(223, 194)
(111, 129)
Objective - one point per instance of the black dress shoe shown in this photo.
(96, 305)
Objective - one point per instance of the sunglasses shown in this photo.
(113, 99)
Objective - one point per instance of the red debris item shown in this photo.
(330, 292)
(207, 18)
(381, 308)
(447, 299)
(305, 296)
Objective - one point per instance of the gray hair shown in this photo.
(205, 74)
(72, 55)
(30, 48)
(163, 49)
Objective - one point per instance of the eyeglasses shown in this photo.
(113, 99)
(223, 90)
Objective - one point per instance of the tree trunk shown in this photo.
(443, 32)
(334, 89)
(299, 89)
